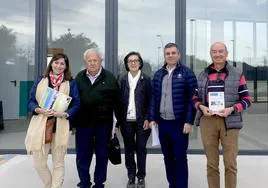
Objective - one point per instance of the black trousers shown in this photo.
(135, 140)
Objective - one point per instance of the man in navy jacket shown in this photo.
(172, 109)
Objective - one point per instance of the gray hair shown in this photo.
(219, 42)
(94, 50)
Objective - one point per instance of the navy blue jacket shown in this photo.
(73, 107)
(142, 97)
(183, 87)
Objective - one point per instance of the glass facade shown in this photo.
(138, 30)
(143, 26)
(17, 38)
(242, 25)
(75, 27)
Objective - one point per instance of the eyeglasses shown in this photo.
(133, 61)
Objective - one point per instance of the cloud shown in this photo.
(139, 21)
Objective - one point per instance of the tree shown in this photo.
(74, 46)
(8, 44)
(147, 69)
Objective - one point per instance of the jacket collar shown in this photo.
(177, 65)
(210, 69)
(102, 74)
(140, 79)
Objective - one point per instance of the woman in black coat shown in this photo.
(136, 96)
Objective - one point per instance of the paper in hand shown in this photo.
(62, 102)
(155, 136)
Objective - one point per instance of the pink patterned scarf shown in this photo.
(56, 80)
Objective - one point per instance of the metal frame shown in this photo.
(149, 151)
(111, 36)
(40, 55)
(180, 27)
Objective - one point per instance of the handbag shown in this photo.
(114, 151)
(49, 130)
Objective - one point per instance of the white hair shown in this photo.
(94, 50)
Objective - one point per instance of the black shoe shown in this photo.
(79, 185)
(141, 183)
(98, 186)
(131, 183)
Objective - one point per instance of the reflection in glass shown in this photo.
(145, 27)
(243, 26)
(75, 27)
(197, 48)
(17, 34)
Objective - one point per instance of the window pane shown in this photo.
(145, 26)
(17, 29)
(74, 27)
(242, 26)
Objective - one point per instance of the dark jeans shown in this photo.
(135, 140)
(87, 141)
(174, 146)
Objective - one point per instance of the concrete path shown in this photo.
(16, 171)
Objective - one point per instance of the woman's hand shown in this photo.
(44, 112)
(60, 114)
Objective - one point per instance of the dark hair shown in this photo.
(67, 71)
(130, 54)
(170, 45)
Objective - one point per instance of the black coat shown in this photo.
(98, 101)
(142, 97)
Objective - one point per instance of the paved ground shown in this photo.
(17, 171)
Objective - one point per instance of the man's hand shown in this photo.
(146, 125)
(225, 112)
(206, 111)
(187, 128)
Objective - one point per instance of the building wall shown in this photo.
(144, 26)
